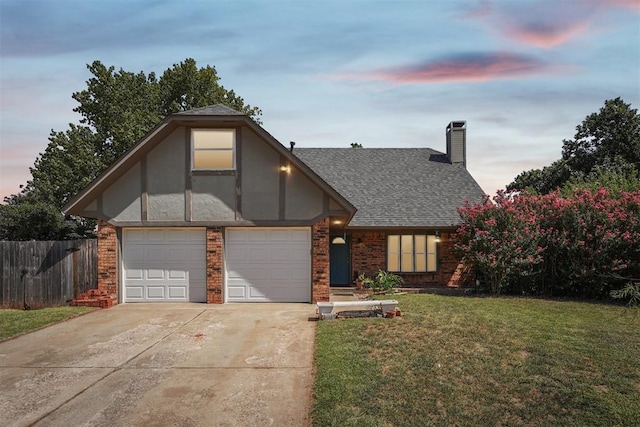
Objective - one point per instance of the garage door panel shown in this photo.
(255, 235)
(279, 254)
(154, 253)
(134, 293)
(177, 275)
(236, 291)
(177, 292)
(283, 236)
(196, 254)
(257, 293)
(155, 292)
(300, 254)
(298, 274)
(179, 235)
(197, 275)
(299, 236)
(268, 264)
(256, 254)
(134, 273)
(155, 236)
(134, 236)
(280, 274)
(164, 264)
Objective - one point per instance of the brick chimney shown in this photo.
(457, 142)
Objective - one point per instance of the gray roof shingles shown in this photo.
(211, 110)
(395, 187)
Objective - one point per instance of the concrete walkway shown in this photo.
(163, 365)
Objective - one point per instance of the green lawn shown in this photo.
(480, 361)
(18, 322)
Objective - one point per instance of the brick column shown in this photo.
(214, 265)
(452, 271)
(320, 261)
(107, 258)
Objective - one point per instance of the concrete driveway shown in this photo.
(163, 365)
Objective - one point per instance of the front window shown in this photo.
(411, 253)
(213, 149)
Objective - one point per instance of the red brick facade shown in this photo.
(108, 262)
(107, 259)
(369, 254)
(320, 261)
(215, 277)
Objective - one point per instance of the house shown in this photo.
(209, 207)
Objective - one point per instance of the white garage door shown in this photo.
(167, 264)
(268, 264)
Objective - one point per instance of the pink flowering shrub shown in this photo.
(584, 245)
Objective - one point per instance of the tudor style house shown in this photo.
(209, 207)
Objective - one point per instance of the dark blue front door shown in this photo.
(339, 260)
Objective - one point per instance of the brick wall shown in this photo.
(107, 258)
(369, 254)
(214, 265)
(320, 261)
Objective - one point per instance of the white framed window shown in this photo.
(213, 149)
(412, 253)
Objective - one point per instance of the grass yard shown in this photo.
(18, 322)
(481, 361)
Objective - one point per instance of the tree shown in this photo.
(615, 176)
(542, 181)
(30, 218)
(117, 109)
(611, 134)
(356, 145)
(120, 107)
(608, 139)
(67, 165)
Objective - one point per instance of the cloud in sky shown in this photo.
(545, 35)
(545, 24)
(469, 67)
(630, 4)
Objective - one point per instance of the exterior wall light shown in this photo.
(338, 241)
(285, 168)
(437, 237)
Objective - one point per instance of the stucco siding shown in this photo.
(303, 199)
(260, 178)
(213, 198)
(166, 173)
(121, 201)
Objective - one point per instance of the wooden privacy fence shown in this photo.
(46, 274)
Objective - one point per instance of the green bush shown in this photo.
(386, 281)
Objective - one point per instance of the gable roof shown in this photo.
(203, 115)
(395, 187)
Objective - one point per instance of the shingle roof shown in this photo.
(395, 187)
(211, 110)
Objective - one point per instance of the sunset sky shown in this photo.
(522, 73)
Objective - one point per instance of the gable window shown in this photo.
(213, 149)
(411, 253)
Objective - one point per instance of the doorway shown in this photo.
(339, 272)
